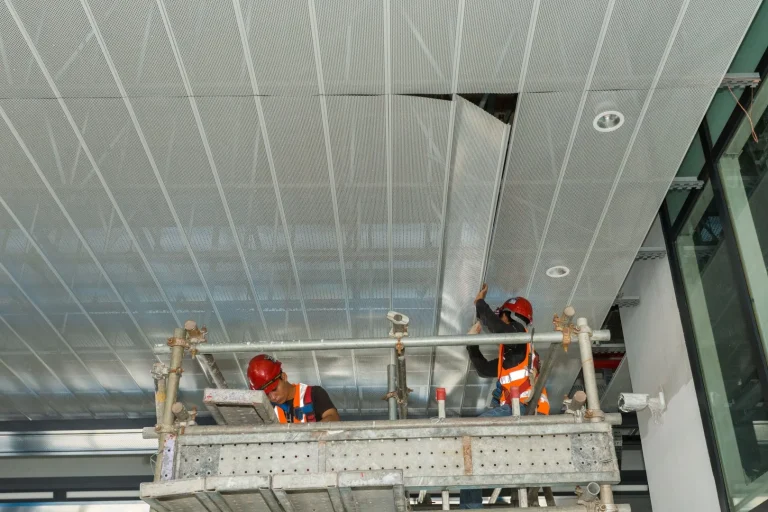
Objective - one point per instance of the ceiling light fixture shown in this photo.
(558, 271)
(608, 121)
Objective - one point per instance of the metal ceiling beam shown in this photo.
(731, 80)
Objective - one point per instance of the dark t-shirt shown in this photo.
(321, 402)
(513, 354)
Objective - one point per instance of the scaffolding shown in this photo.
(250, 462)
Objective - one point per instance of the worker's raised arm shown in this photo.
(484, 367)
(489, 319)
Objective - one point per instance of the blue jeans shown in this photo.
(473, 498)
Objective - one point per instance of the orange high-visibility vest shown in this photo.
(303, 411)
(518, 376)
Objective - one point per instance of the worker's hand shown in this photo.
(476, 328)
(482, 293)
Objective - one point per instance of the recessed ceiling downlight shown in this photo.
(608, 121)
(558, 271)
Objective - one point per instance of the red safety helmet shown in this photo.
(264, 373)
(518, 306)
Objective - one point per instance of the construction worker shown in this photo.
(294, 403)
(513, 367)
(517, 364)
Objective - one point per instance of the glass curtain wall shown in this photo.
(717, 236)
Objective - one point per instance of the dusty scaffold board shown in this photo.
(370, 491)
(434, 457)
(239, 407)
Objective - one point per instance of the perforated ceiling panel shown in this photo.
(270, 170)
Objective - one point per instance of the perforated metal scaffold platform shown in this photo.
(330, 461)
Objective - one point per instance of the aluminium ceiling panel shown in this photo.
(564, 43)
(63, 37)
(351, 35)
(492, 45)
(34, 374)
(709, 36)
(139, 47)
(209, 45)
(280, 41)
(306, 197)
(423, 36)
(534, 161)
(357, 134)
(419, 152)
(242, 163)
(634, 44)
(479, 147)
(20, 77)
(575, 215)
(651, 165)
(177, 147)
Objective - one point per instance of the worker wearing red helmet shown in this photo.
(516, 363)
(293, 403)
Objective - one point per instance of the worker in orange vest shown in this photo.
(517, 365)
(293, 403)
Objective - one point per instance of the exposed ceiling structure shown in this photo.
(274, 171)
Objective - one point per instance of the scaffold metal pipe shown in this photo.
(371, 343)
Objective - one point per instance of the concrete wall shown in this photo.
(676, 458)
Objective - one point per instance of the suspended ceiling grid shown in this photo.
(257, 167)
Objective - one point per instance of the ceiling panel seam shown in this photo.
(94, 165)
(572, 139)
(388, 142)
(53, 328)
(72, 224)
(215, 173)
(268, 150)
(520, 98)
(42, 362)
(633, 137)
(67, 288)
(504, 143)
(446, 189)
(331, 177)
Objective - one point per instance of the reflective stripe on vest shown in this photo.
(300, 404)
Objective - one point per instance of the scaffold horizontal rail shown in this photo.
(373, 343)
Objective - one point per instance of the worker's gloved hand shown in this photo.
(482, 293)
(476, 328)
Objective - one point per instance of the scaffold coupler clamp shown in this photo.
(593, 414)
(195, 336)
(159, 371)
